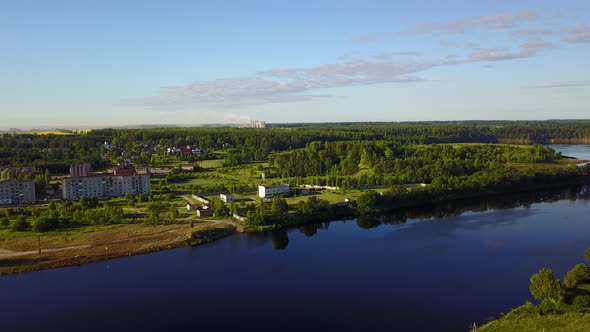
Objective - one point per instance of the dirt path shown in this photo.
(9, 254)
(5, 253)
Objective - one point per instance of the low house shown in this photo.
(226, 197)
(192, 207)
(269, 191)
(187, 167)
(204, 211)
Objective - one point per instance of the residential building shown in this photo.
(124, 180)
(204, 211)
(192, 207)
(186, 150)
(268, 191)
(17, 192)
(226, 197)
(80, 170)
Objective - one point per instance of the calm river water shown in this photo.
(438, 269)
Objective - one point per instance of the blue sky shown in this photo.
(106, 63)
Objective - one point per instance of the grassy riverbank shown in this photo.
(74, 247)
(572, 322)
(563, 304)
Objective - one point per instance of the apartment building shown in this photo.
(17, 192)
(124, 180)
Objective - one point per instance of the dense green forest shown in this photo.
(56, 152)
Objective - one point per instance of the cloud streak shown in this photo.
(286, 84)
(576, 35)
(490, 22)
(561, 84)
(283, 85)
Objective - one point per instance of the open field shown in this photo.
(48, 132)
(69, 247)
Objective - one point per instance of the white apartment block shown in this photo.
(17, 192)
(268, 191)
(103, 186)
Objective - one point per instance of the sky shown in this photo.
(88, 64)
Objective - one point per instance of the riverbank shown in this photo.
(69, 248)
(571, 322)
(66, 248)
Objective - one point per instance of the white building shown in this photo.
(268, 191)
(226, 197)
(125, 180)
(17, 192)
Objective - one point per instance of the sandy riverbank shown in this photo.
(69, 248)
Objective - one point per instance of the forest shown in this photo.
(56, 152)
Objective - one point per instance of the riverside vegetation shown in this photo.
(376, 168)
(563, 305)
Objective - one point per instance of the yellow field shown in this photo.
(49, 133)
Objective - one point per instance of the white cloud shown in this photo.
(490, 22)
(560, 84)
(283, 85)
(578, 34)
(286, 84)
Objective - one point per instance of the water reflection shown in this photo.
(451, 209)
(280, 239)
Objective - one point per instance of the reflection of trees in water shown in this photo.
(458, 207)
(309, 230)
(280, 239)
(368, 221)
(503, 202)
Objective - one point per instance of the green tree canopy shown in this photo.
(577, 275)
(280, 207)
(545, 287)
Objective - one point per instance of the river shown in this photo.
(437, 269)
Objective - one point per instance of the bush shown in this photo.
(20, 224)
(525, 311)
(545, 308)
(546, 288)
(577, 275)
(580, 302)
(40, 225)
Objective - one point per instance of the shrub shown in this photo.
(40, 225)
(546, 288)
(20, 224)
(580, 302)
(577, 275)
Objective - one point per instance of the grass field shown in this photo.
(574, 322)
(49, 132)
(71, 247)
